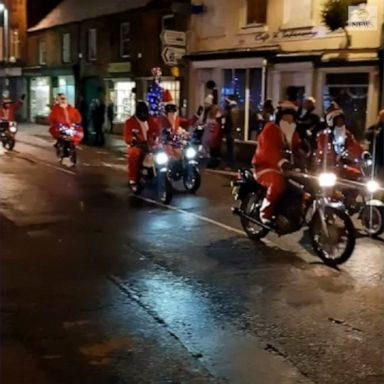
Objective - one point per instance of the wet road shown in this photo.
(101, 287)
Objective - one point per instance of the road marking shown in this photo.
(57, 168)
(221, 172)
(195, 215)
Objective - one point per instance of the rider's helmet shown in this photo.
(6, 102)
(169, 104)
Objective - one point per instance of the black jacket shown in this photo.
(379, 158)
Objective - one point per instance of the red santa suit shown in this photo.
(332, 144)
(144, 132)
(268, 160)
(67, 115)
(8, 114)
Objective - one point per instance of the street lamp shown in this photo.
(4, 12)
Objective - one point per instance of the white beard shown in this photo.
(288, 130)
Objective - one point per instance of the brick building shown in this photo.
(100, 49)
(13, 26)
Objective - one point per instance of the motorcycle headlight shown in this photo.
(327, 180)
(161, 158)
(190, 153)
(373, 186)
(13, 128)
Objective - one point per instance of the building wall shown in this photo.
(223, 27)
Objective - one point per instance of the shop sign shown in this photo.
(124, 67)
(362, 17)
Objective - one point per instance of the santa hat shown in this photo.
(331, 116)
(7, 100)
(167, 98)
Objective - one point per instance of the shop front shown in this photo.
(43, 88)
(244, 79)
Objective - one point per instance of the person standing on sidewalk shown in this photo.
(375, 137)
(111, 115)
(98, 118)
(230, 123)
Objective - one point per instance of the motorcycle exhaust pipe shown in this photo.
(238, 212)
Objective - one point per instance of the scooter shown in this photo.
(8, 130)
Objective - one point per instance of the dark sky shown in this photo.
(37, 9)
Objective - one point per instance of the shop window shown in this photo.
(297, 18)
(168, 22)
(92, 44)
(125, 40)
(66, 48)
(234, 85)
(255, 101)
(256, 12)
(42, 52)
(173, 87)
(123, 98)
(350, 91)
(14, 45)
(66, 85)
(40, 97)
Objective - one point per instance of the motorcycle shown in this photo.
(69, 137)
(369, 210)
(155, 166)
(8, 130)
(330, 227)
(185, 167)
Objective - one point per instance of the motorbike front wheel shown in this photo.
(250, 206)
(372, 220)
(165, 189)
(192, 180)
(9, 144)
(333, 235)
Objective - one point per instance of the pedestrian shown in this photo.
(230, 123)
(375, 137)
(212, 136)
(308, 124)
(266, 115)
(82, 107)
(98, 118)
(111, 115)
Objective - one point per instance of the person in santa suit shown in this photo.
(64, 114)
(8, 108)
(336, 146)
(278, 146)
(172, 125)
(141, 133)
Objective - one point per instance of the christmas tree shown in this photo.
(155, 93)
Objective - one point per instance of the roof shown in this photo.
(70, 11)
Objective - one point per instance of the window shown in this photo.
(40, 96)
(256, 12)
(125, 40)
(66, 85)
(350, 91)
(168, 22)
(66, 48)
(123, 98)
(14, 45)
(297, 18)
(246, 86)
(92, 42)
(42, 52)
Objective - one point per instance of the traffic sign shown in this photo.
(175, 38)
(172, 55)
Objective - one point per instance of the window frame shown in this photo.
(92, 39)
(254, 24)
(42, 52)
(66, 51)
(127, 39)
(14, 44)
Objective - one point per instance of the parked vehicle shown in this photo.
(331, 230)
(8, 130)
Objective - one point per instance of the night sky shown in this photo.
(37, 9)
